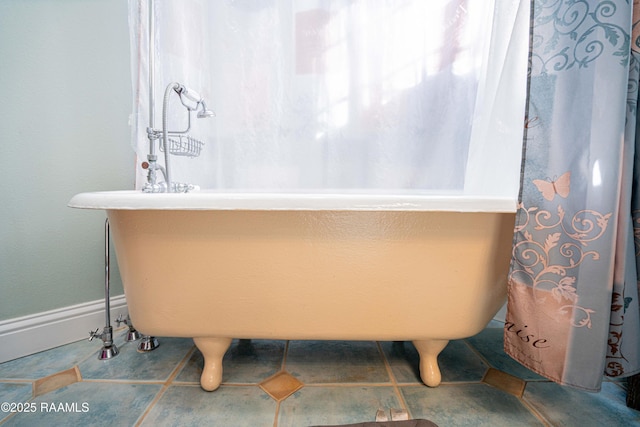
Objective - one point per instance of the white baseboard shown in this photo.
(41, 331)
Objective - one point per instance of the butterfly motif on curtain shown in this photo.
(549, 188)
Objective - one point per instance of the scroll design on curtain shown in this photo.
(581, 33)
(545, 262)
(564, 316)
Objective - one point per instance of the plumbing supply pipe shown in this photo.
(152, 48)
(107, 275)
(109, 349)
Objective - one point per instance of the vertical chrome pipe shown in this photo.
(107, 276)
(109, 349)
(151, 157)
(152, 48)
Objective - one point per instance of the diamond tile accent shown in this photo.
(281, 385)
(505, 382)
(56, 381)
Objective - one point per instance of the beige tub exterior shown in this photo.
(218, 266)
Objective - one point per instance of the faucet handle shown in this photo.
(126, 321)
(120, 320)
(94, 334)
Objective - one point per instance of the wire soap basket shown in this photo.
(183, 145)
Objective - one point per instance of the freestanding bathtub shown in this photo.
(216, 266)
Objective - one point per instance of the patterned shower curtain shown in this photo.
(573, 311)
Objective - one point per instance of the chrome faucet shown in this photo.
(176, 143)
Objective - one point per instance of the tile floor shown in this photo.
(295, 383)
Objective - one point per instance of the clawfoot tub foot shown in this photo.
(213, 350)
(429, 350)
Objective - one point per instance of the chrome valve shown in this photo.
(133, 334)
(109, 349)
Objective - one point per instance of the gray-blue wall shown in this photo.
(65, 100)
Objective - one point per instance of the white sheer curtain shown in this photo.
(340, 94)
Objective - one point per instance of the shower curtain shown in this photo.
(573, 311)
(326, 95)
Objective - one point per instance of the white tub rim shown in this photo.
(348, 200)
